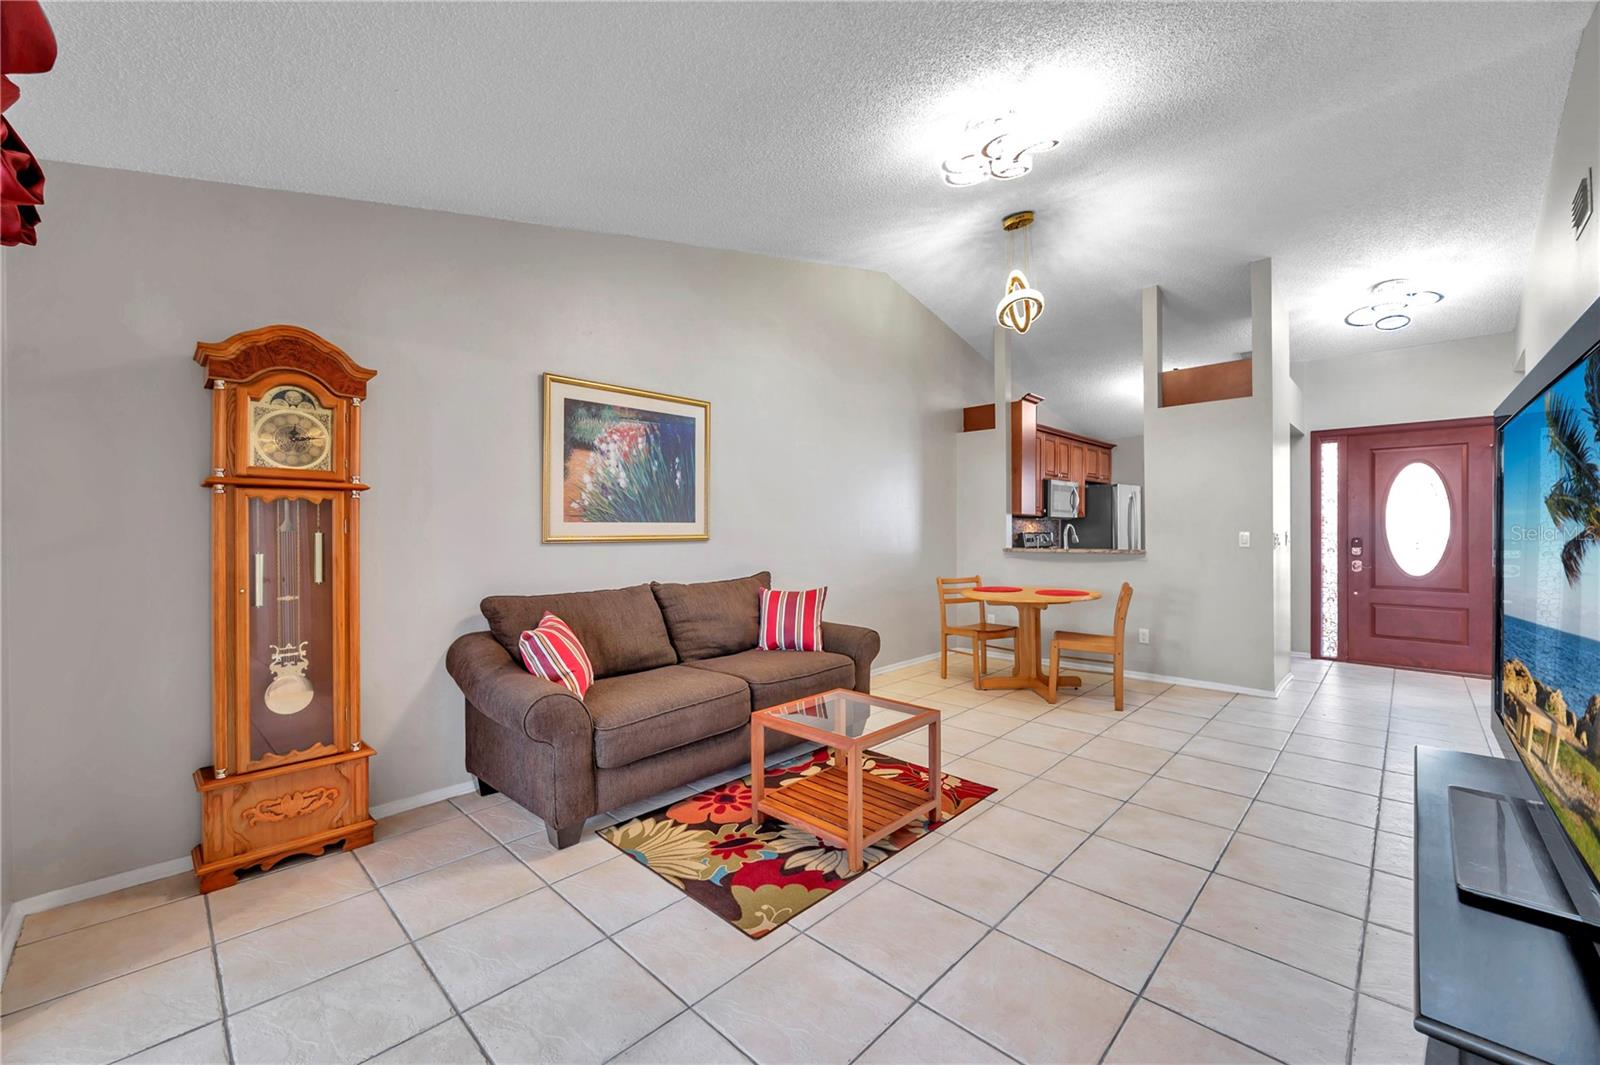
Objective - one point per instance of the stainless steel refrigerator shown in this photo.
(1113, 517)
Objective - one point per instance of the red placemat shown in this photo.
(997, 588)
(1062, 591)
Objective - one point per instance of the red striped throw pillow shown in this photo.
(553, 651)
(792, 621)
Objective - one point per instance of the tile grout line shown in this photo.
(995, 926)
(917, 999)
(1183, 922)
(1137, 995)
(216, 976)
(1178, 925)
(412, 943)
(222, 1001)
(605, 937)
(1366, 919)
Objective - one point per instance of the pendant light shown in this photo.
(1022, 304)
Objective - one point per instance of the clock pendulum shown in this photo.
(290, 690)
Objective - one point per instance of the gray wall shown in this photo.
(1127, 460)
(1209, 471)
(835, 408)
(1429, 382)
(1563, 275)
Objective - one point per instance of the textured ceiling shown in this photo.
(1350, 142)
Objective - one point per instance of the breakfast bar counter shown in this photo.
(1073, 551)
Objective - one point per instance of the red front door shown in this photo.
(1418, 582)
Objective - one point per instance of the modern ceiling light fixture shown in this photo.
(1006, 153)
(1021, 305)
(1397, 299)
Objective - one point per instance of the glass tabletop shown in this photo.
(850, 714)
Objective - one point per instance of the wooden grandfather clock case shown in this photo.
(289, 774)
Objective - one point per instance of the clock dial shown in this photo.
(292, 439)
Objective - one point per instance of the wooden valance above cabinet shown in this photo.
(1041, 453)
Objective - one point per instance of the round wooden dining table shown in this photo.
(1030, 603)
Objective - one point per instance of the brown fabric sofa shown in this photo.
(676, 679)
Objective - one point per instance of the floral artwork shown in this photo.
(621, 464)
(757, 875)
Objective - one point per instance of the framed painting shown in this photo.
(623, 464)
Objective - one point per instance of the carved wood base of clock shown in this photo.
(257, 819)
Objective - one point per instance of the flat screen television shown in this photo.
(1547, 639)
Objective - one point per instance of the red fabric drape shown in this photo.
(27, 46)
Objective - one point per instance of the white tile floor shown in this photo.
(1201, 878)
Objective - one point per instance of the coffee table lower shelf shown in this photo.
(821, 803)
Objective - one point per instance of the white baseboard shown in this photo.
(10, 929)
(1087, 666)
(51, 900)
(400, 806)
(892, 666)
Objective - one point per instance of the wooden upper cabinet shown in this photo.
(1099, 465)
(1040, 453)
(1027, 479)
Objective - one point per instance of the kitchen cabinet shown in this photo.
(1040, 453)
(1027, 477)
(1060, 455)
(1099, 466)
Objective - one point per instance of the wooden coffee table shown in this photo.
(841, 805)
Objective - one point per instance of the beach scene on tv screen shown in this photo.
(1550, 569)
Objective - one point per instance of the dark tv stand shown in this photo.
(1506, 969)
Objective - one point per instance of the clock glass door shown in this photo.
(293, 665)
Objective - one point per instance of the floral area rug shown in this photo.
(757, 876)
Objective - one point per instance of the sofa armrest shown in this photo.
(500, 688)
(861, 644)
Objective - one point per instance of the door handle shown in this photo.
(1355, 565)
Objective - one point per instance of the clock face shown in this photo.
(292, 431)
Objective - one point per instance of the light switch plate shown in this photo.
(1244, 539)
(1144, 635)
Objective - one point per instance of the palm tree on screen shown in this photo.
(1574, 500)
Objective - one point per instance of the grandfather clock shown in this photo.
(290, 769)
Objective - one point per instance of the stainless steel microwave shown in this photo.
(1062, 498)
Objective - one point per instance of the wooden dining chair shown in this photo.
(950, 589)
(1094, 643)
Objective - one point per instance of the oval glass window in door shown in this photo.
(1416, 519)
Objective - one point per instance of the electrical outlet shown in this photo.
(1144, 635)
(991, 617)
(1244, 539)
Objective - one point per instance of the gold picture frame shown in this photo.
(623, 464)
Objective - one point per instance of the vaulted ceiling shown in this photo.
(1350, 142)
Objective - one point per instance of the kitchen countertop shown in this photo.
(1072, 551)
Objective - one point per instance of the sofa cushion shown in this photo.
(553, 651)
(640, 714)
(791, 621)
(621, 628)
(782, 676)
(712, 618)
